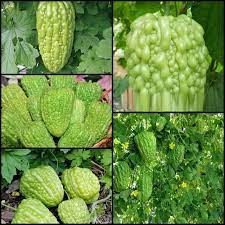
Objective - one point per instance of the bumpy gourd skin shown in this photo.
(55, 27)
(43, 184)
(122, 176)
(146, 144)
(145, 183)
(74, 211)
(167, 62)
(32, 211)
(56, 110)
(81, 182)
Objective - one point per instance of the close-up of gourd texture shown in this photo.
(167, 61)
(55, 28)
(53, 111)
(43, 189)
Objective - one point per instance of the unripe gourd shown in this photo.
(167, 61)
(74, 211)
(122, 176)
(43, 184)
(33, 211)
(81, 182)
(55, 28)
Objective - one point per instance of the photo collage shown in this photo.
(112, 112)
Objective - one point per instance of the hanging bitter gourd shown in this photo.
(167, 62)
(122, 176)
(146, 144)
(145, 183)
(55, 28)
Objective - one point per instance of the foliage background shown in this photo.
(210, 14)
(192, 193)
(92, 50)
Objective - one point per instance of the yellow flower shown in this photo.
(125, 145)
(184, 185)
(134, 193)
(116, 141)
(172, 145)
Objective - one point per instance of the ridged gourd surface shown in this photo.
(44, 184)
(55, 27)
(81, 182)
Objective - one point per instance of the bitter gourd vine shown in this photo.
(55, 28)
(167, 61)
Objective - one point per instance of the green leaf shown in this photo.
(26, 54)
(106, 157)
(85, 39)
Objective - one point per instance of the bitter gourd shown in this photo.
(34, 107)
(11, 125)
(55, 28)
(34, 84)
(13, 96)
(36, 135)
(74, 211)
(79, 112)
(81, 182)
(56, 110)
(53, 111)
(122, 176)
(176, 156)
(62, 81)
(160, 123)
(42, 183)
(33, 211)
(146, 144)
(167, 62)
(88, 92)
(93, 129)
(145, 183)
(99, 115)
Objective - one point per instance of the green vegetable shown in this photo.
(81, 182)
(145, 183)
(79, 112)
(34, 107)
(62, 81)
(42, 183)
(55, 28)
(74, 211)
(35, 134)
(56, 109)
(167, 61)
(146, 144)
(88, 92)
(160, 123)
(94, 128)
(54, 113)
(176, 156)
(14, 97)
(122, 176)
(32, 211)
(34, 85)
